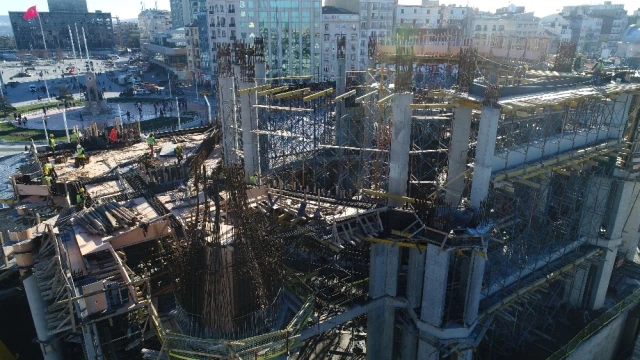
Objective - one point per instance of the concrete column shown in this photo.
(484, 154)
(415, 281)
(228, 119)
(400, 145)
(474, 287)
(575, 289)
(594, 206)
(460, 131)
(249, 139)
(263, 164)
(434, 294)
(341, 84)
(603, 275)
(622, 206)
(383, 281)
(620, 115)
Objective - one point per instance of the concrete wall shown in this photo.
(604, 344)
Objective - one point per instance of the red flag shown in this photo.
(31, 13)
(72, 70)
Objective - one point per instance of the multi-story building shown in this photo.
(192, 36)
(521, 25)
(585, 32)
(612, 18)
(338, 22)
(185, 12)
(151, 22)
(65, 15)
(168, 49)
(558, 28)
(127, 34)
(418, 16)
(291, 33)
(376, 19)
(79, 6)
(205, 42)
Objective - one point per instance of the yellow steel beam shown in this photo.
(385, 99)
(398, 243)
(345, 95)
(293, 93)
(318, 94)
(273, 91)
(468, 103)
(432, 106)
(255, 88)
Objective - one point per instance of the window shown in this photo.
(326, 37)
(478, 28)
(326, 27)
(493, 28)
(428, 11)
(401, 11)
(427, 21)
(353, 57)
(484, 28)
(501, 27)
(415, 11)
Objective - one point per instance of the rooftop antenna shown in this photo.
(156, 5)
(142, 5)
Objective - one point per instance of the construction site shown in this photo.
(390, 214)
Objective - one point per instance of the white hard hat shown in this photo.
(79, 146)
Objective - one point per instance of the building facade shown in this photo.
(178, 13)
(79, 6)
(127, 34)
(337, 22)
(151, 22)
(376, 19)
(418, 16)
(192, 37)
(97, 26)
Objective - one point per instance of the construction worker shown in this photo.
(46, 169)
(151, 141)
(52, 143)
(597, 71)
(81, 157)
(253, 179)
(578, 64)
(178, 151)
(46, 180)
(113, 136)
(80, 199)
(520, 73)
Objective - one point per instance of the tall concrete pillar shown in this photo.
(460, 131)
(400, 146)
(261, 73)
(620, 115)
(341, 84)
(434, 293)
(249, 139)
(479, 191)
(575, 288)
(484, 154)
(415, 282)
(227, 106)
(383, 281)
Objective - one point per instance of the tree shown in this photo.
(65, 94)
(5, 106)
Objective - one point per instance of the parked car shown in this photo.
(21, 75)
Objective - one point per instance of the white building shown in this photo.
(522, 25)
(152, 22)
(558, 26)
(376, 19)
(338, 22)
(613, 22)
(585, 32)
(418, 16)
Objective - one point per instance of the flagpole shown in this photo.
(79, 44)
(73, 47)
(86, 49)
(44, 41)
(66, 128)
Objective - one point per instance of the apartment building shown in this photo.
(338, 22)
(152, 22)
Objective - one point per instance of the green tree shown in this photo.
(5, 106)
(65, 94)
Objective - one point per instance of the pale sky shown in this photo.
(127, 9)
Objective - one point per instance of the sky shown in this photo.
(128, 9)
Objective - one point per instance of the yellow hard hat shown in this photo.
(81, 189)
(526, 67)
(50, 135)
